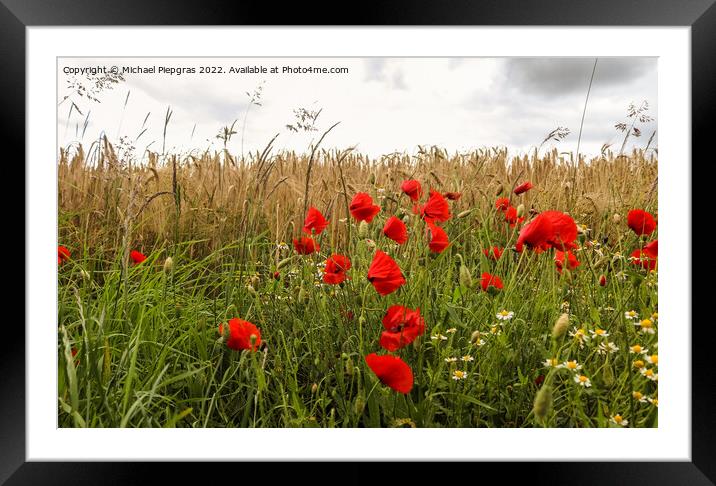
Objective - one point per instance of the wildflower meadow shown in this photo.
(329, 289)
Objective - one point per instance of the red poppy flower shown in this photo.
(549, 229)
(137, 257)
(572, 261)
(511, 216)
(539, 380)
(641, 222)
(385, 274)
(639, 257)
(652, 249)
(63, 255)
(314, 222)
(395, 230)
(493, 253)
(602, 280)
(412, 188)
(240, 333)
(362, 207)
(277, 275)
(438, 238)
(502, 203)
(402, 327)
(453, 196)
(391, 371)
(305, 245)
(524, 187)
(436, 208)
(488, 281)
(336, 267)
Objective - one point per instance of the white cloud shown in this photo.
(383, 104)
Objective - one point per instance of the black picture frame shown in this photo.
(700, 15)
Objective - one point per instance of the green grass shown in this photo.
(149, 352)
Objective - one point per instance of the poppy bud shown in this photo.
(283, 263)
(520, 210)
(363, 229)
(465, 277)
(543, 402)
(475, 337)
(616, 218)
(314, 388)
(302, 295)
(276, 276)
(359, 405)
(253, 339)
(603, 280)
(560, 326)
(168, 265)
(464, 213)
(349, 367)
(607, 375)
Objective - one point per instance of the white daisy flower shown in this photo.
(639, 396)
(505, 315)
(599, 333)
(582, 380)
(637, 349)
(649, 373)
(459, 375)
(632, 314)
(450, 360)
(619, 420)
(646, 326)
(452, 330)
(653, 359)
(551, 363)
(654, 401)
(467, 358)
(609, 347)
(570, 365)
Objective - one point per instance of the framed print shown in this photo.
(432, 237)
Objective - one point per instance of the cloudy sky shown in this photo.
(383, 104)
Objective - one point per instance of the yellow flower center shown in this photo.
(636, 348)
(655, 402)
(638, 364)
(637, 395)
(655, 359)
(655, 315)
(504, 313)
(631, 313)
(618, 419)
(459, 374)
(572, 365)
(599, 332)
(649, 373)
(646, 323)
(583, 378)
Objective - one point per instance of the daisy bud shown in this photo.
(168, 265)
(602, 280)
(464, 213)
(363, 229)
(520, 210)
(616, 218)
(543, 402)
(465, 277)
(560, 326)
(314, 388)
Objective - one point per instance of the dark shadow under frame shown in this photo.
(16, 15)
